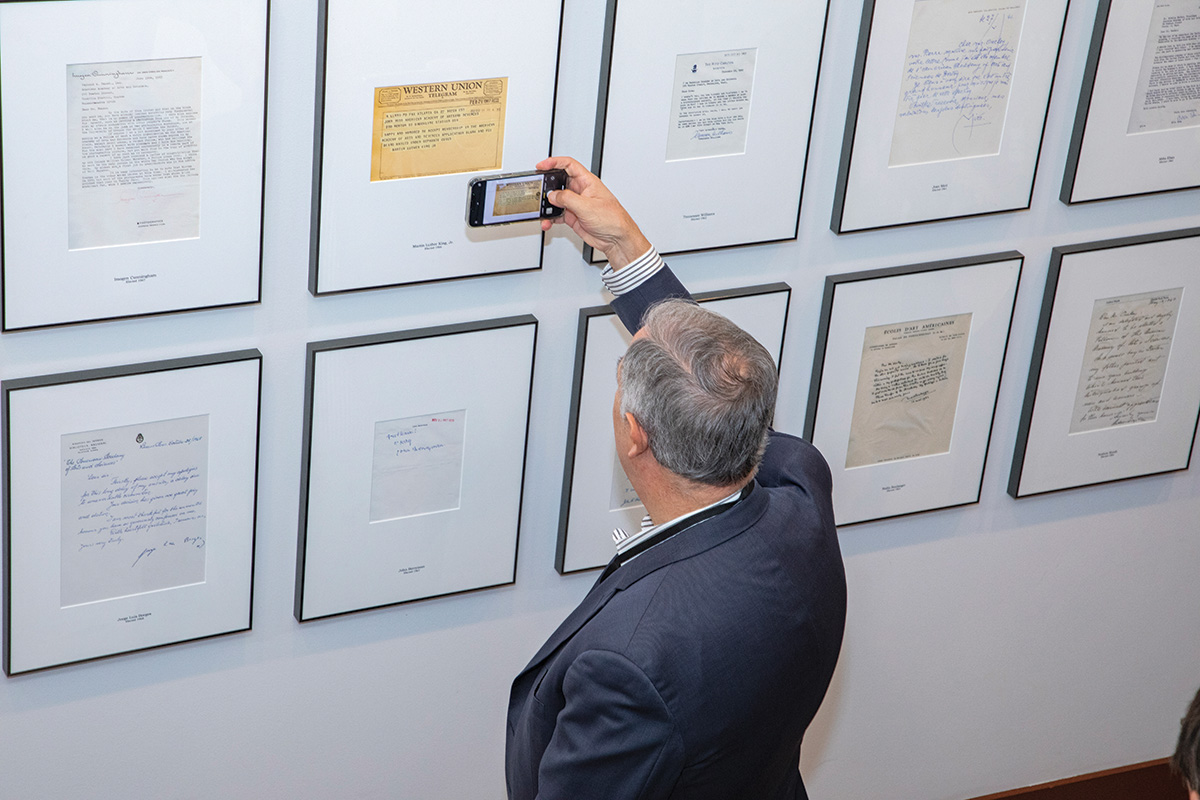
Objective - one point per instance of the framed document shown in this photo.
(596, 495)
(1113, 388)
(1137, 129)
(904, 382)
(130, 496)
(413, 100)
(133, 137)
(947, 107)
(414, 462)
(704, 114)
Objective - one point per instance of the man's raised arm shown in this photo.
(635, 274)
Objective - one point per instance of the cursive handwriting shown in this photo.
(955, 81)
(1128, 347)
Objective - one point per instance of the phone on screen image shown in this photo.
(513, 197)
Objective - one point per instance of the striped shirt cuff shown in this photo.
(634, 274)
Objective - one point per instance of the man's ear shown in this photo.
(639, 440)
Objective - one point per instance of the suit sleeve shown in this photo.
(632, 305)
(791, 461)
(615, 738)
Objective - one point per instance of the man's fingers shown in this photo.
(572, 167)
(565, 198)
(566, 218)
(581, 180)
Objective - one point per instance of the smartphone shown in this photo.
(513, 197)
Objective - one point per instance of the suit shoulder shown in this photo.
(791, 460)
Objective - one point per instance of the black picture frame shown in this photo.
(372, 234)
(888, 177)
(1082, 426)
(905, 381)
(1105, 161)
(87, 505)
(177, 229)
(379, 527)
(716, 194)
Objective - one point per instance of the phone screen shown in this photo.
(512, 199)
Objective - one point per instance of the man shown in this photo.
(694, 665)
(1186, 760)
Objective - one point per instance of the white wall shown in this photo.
(1002, 644)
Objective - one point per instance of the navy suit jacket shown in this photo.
(693, 670)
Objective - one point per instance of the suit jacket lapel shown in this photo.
(702, 536)
(596, 598)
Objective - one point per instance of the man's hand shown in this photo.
(592, 212)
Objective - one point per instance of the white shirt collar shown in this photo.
(624, 541)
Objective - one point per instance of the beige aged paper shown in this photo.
(438, 128)
(520, 197)
(1125, 363)
(908, 384)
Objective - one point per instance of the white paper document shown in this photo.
(417, 465)
(954, 87)
(1168, 87)
(134, 509)
(1125, 360)
(623, 494)
(710, 104)
(907, 393)
(133, 152)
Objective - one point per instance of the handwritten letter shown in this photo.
(1128, 347)
(623, 495)
(134, 505)
(955, 80)
(1168, 87)
(710, 104)
(133, 152)
(907, 395)
(417, 467)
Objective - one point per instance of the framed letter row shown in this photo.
(414, 99)
(130, 496)
(705, 109)
(414, 462)
(947, 108)
(142, 192)
(596, 495)
(1113, 388)
(1137, 129)
(904, 382)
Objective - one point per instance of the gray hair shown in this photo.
(704, 391)
(1186, 760)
